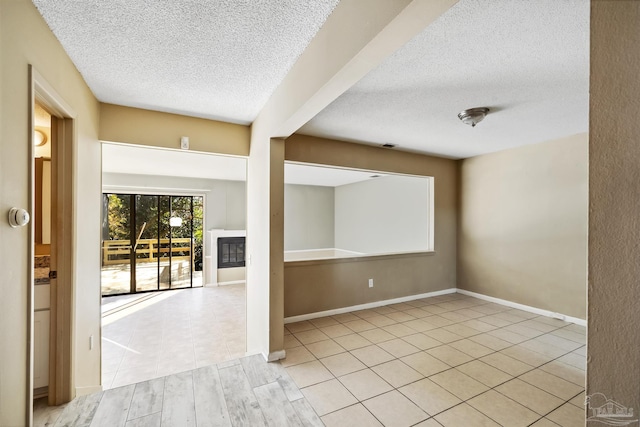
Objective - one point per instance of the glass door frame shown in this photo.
(133, 237)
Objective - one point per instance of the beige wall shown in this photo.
(385, 215)
(522, 234)
(322, 285)
(613, 365)
(25, 39)
(308, 217)
(153, 128)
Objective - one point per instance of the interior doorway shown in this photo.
(51, 193)
(177, 308)
(151, 243)
(42, 233)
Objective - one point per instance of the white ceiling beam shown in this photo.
(356, 37)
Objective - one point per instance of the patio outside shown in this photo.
(153, 241)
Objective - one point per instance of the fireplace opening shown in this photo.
(230, 252)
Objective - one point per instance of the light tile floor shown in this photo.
(451, 360)
(167, 332)
(446, 361)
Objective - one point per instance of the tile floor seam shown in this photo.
(356, 404)
(130, 402)
(462, 403)
(518, 377)
(517, 403)
(559, 406)
(498, 385)
(374, 415)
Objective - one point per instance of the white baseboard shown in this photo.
(81, 391)
(375, 304)
(273, 356)
(523, 307)
(231, 282)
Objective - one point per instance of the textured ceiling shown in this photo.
(526, 60)
(218, 59)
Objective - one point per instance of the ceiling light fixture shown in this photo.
(473, 116)
(39, 138)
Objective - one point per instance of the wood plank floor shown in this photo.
(243, 392)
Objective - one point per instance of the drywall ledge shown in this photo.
(355, 258)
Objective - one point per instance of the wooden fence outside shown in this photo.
(119, 251)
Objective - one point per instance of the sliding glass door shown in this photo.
(151, 242)
(146, 244)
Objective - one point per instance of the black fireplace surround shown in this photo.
(230, 252)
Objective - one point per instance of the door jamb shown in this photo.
(62, 293)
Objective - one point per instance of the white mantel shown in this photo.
(213, 236)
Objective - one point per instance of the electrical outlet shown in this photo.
(371, 283)
(91, 342)
(184, 142)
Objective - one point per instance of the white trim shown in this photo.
(323, 249)
(523, 307)
(231, 282)
(152, 147)
(368, 305)
(213, 236)
(274, 356)
(154, 191)
(335, 254)
(49, 97)
(375, 304)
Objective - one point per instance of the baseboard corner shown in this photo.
(274, 356)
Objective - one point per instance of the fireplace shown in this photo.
(231, 252)
(217, 273)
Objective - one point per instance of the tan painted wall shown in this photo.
(523, 225)
(157, 129)
(313, 286)
(276, 245)
(26, 39)
(323, 285)
(613, 365)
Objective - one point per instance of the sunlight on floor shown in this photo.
(171, 331)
